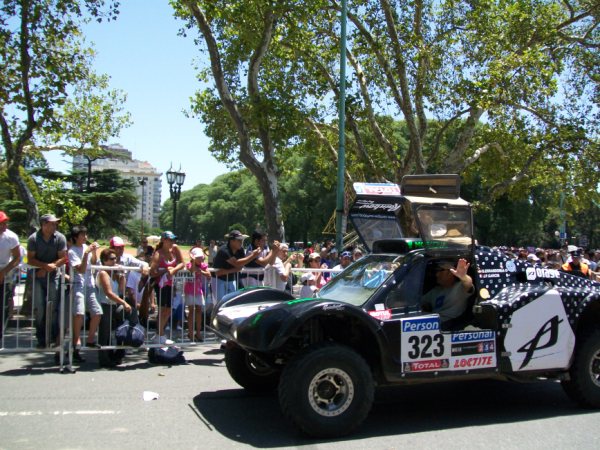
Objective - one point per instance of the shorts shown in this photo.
(164, 296)
(85, 296)
(194, 300)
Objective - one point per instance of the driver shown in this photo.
(454, 286)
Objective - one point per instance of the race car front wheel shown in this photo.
(584, 385)
(326, 391)
(249, 371)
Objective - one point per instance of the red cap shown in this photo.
(3, 217)
(116, 241)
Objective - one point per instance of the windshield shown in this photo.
(360, 280)
(445, 227)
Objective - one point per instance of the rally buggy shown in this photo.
(326, 355)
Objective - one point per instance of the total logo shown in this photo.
(424, 366)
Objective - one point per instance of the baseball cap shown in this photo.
(314, 255)
(168, 235)
(532, 257)
(3, 217)
(346, 254)
(444, 264)
(49, 218)
(236, 234)
(307, 276)
(116, 241)
(197, 253)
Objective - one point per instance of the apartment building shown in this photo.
(146, 179)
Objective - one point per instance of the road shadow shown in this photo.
(42, 362)
(257, 420)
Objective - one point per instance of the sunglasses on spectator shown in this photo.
(112, 258)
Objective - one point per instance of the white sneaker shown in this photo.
(163, 340)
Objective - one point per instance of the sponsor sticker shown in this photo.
(473, 362)
(473, 348)
(385, 314)
(534, 273)
(377, 188)
(426, 366)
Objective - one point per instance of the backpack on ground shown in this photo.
(166, 355)
(131, 332)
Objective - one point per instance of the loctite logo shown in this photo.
(478, 361)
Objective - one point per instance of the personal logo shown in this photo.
(551, 326)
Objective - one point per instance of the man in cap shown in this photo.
(117, 244)
(345, 260)
(47, 251)
(229, 260)
(454, 286)
(10, 256)
(574, 265)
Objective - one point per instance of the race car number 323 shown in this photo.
(423, 346)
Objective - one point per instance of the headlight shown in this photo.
(234, 334)
(215, 323)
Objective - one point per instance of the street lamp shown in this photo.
(175, 180)
(142, 181)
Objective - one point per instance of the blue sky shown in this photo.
(145, 58)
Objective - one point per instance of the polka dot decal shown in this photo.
(513, 284)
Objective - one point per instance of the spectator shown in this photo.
(265, 257)
(533, 259)
(357, 254)
(166, 262)
(46, 250)
(345, 260)
(10, 257)
(194, 293)
(308, 285)
(110, 285)
(277, 273)
(81, 256)
(133, 277)
(144, 251)
(574, 266)
(229, 260)
(213, 248)
(314, 262)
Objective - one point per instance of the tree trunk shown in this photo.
(14, 175)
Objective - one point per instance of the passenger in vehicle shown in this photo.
(449, 298)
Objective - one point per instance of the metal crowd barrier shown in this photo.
(49, 302)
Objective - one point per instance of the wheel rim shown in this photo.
(331, 392)
(595, 369)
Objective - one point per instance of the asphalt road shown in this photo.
(199, 406)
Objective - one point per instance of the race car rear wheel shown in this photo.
(326, 391)
(584, 385)
(249, 371)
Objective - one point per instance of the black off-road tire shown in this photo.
(250, 372)
(584, 385)
(327, 390)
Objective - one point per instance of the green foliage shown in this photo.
(109, 201)
(233, 201)
(42, 54)
(54, 198)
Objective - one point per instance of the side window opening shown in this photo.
(406, 293)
